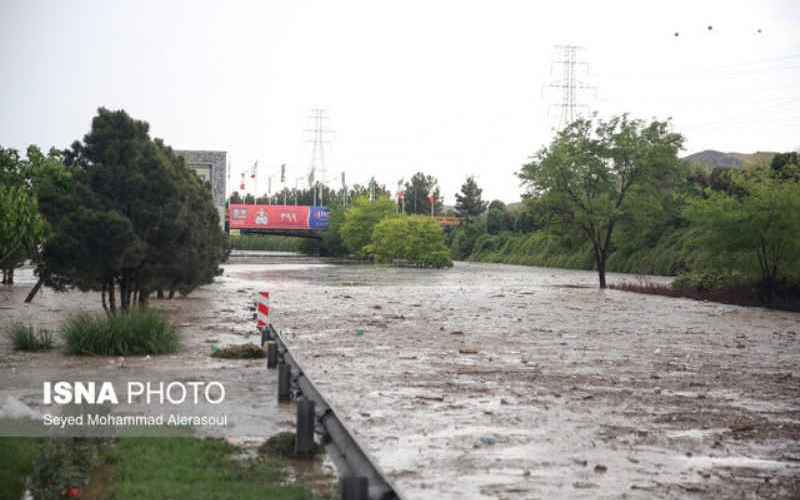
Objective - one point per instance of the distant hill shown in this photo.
(714, 159)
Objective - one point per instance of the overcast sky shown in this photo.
(448, 88)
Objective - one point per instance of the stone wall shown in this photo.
(210, 165)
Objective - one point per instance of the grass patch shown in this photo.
(271, 243)
(16, 464)
(25, 338)
(198, 469)
(282, 445)
(240, 351)
(139, 332)
(142, 468)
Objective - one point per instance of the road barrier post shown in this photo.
(272, 354)
(306, 420)
(284, 382)
(355, 488)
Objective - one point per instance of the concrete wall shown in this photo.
(210, 165)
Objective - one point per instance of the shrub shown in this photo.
(25, 338)
(282, 445)
(708, 280)
(416, 239)
(139, 332)
(241, 351)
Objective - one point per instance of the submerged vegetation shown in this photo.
(728, 234)
(374, 230)
(140, 332)
(26, 338)
(271, 243)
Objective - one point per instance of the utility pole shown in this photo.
(318, 140)
(296, 183)
(569, 83)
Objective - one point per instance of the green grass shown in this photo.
(16, 463)
(25, 338)
(146, 468)
(265, 243)
(139, 332)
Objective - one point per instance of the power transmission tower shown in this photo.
(569, 83)
(318, 139)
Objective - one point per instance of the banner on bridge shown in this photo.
(278, 217)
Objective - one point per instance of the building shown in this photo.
(211, 166)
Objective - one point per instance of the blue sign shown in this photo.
(317, 218)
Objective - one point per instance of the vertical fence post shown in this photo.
(306, 419)
(355, 488)
(284, 382)
(272, 354)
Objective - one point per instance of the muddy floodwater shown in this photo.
(502, 382)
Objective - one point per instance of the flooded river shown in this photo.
(505, 382)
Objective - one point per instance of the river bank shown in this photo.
(496, 381)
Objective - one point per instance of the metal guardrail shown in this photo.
(352, 460)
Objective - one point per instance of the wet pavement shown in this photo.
(494, 381)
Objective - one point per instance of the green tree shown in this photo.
(498, 218)
(756, 234)
(235, 199)
(417, 190)
(360, 220)
(586, 174)
(129, 218)
(415, 239)
(469, 203)
(786, 165)
(22, 229)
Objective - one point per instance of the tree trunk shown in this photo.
(160, 293)
(171, 293)
(103, 299)
(112, 298)
(600, 260)
(34, 290)
(124, 294)
(144, 298)
(10, 277)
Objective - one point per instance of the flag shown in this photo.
(283, 173)
(253, 170)
(241, 186)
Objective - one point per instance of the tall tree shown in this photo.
(418, 191)
(755, 233)
(21, 227)
(586, 174)
(126, 218)
(469, 203)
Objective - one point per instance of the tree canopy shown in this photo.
(127, 214)
(469, 203)
(589, 170)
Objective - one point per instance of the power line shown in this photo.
(569, 83)
(318, 134)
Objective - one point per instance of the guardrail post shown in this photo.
(272, 354)
(284, 382)
(355, 488)
(306, 420)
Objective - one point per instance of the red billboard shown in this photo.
(267, 217)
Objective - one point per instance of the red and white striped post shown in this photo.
(262, 315)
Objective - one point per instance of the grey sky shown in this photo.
(449, 88)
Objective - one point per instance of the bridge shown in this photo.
(300, 221)
(283, 220)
